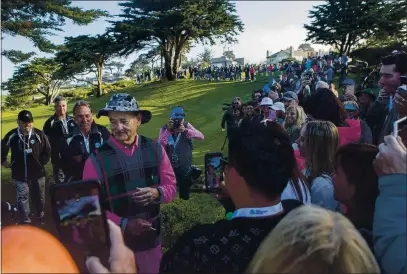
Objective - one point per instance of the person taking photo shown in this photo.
(176, 137)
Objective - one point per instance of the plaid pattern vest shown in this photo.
(122, 174)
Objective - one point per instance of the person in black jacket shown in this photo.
(56, 129)
(230, 117)
(84, 137)
(30, 152)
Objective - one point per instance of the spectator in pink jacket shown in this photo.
(176, 137)
(136, 177)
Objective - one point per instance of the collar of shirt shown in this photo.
(125, 148)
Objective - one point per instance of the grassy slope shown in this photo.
(202, 101)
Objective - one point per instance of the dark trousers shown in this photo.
(58, 174)
(184, 182)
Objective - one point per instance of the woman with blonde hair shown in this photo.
(311, 239)
(333, 89)
(318, 144)
(294, 119)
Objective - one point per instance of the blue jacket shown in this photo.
(389, 225)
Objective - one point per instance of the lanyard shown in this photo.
(86, 140)
(258, 212)
(64, 125)
(171, 140)
(22, 139)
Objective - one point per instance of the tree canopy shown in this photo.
(38, 76)
(85, 54)
(345, 23)
(172, 25)
(35, 20)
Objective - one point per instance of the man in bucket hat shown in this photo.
(136, 177)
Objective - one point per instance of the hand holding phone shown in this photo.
(121, 257)
(80, 220)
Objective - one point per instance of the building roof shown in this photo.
(281, 51)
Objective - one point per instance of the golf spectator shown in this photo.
(56, 129)
(258, 153)
(176, 138)
(355, 184)
(324, 106)
(366, 98)
(289, 99)
(30, 152)
(393, 66)
(140, 164)
(318, 144)
(333, 89)
(294, 120)
(84, 137)
(389, 226)
(229, 119)
(348, 87)
(314, 240)
(279, 109)
(265, 105)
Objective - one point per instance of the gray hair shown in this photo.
(59, 99)
(79, 104)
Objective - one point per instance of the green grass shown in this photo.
(202, 101)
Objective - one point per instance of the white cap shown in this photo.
(266, 101)
(278, 106)
(322, 84)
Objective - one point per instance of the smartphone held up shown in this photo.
(213, 171)
(80, 219)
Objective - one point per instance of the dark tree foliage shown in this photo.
(87, 54)
(172, 25)
(37, 76)
(36, 19)
(345, 23)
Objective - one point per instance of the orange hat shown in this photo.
(28, 249)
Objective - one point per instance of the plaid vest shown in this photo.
(122, 174)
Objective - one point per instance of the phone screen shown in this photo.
(81, 223)
(213, 170)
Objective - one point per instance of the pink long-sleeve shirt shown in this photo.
(167, 177)
(192, 133)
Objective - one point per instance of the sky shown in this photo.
(269, 25)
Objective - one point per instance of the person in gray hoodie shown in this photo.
(389, 224)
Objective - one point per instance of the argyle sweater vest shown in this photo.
(122, 174)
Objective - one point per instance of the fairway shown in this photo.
(202, 101)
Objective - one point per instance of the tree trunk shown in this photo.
(168, 66)
(99, 91)
(47, 100)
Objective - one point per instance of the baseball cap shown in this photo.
(322, 84)
(266, 101)
(278, 106)
(348, 82)
(367, 91)
(25, 116)
(289, 96)
(351, 106)
(177, 112)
